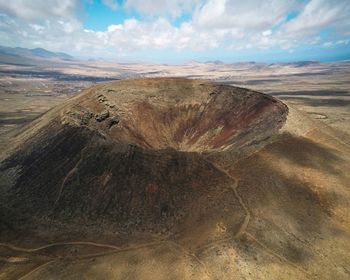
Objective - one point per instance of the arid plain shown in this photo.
(322, 90)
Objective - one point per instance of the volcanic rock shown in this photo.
(102, 116)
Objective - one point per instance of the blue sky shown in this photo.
(177, 31)
(98, 16)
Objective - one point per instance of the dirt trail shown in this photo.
(115, 250)
(181, 248)
(35, 269)
(276, 255)
(30, 250)
(234, 188)
(243, 227)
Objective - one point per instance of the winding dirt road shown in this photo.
(31, 250)
(116, 249)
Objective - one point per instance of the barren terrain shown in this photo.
(29, 89)
(176, 178)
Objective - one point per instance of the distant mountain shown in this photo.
(305, 63)
(297, 63)
(33, 53)
(217, 62)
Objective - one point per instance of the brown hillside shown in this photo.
(175, 178)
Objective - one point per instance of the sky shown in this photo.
(178, 31)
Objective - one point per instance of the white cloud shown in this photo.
(111, 4)
(318, 14)
(114, 27)
(328, 44)
(331, 44)
(247, 14)
(173, 8)
(267, 33)
(228, 24)
(342, 42)
(34, 10)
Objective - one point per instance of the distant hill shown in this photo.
(218, 62)
(37, 53)
(297, 63)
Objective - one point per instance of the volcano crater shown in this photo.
(135, 152)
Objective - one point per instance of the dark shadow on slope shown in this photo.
(306, 153)
(319, 102)
(331, 93)
(77, 175)
(289, 214)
